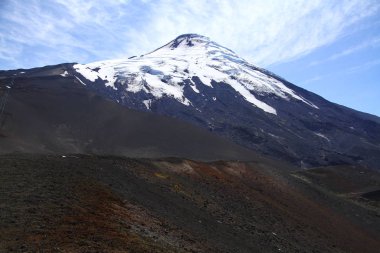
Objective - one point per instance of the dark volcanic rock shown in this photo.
(87, 203)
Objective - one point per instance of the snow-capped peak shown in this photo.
(191, 45)
(168, 69)
(187, 40)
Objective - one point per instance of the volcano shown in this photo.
(201, 82)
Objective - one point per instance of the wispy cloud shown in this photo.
(312, 80)
(263, 32)
(352, 70)
(371, 43)
(366, 44)
(36, 32)
(363, 66)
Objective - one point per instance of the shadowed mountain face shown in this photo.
(201, 82)
(51, 114)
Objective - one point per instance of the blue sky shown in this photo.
(330, 47)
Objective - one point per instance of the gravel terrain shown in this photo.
(87, 203)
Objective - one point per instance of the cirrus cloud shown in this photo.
(34, 33)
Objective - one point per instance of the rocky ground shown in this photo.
(84, 203)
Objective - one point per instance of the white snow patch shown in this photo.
(322, 136)
(80, 80)
(86, 72)
(251, 98)
(193, 86)
(147, 103)
(274, 136)
(64, 74)
(92, 72)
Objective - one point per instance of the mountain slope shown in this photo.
(195, 79)
(111, 204)
(51, 114)
(199, 81)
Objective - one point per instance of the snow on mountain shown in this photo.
(205, 84)
(167, 70)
